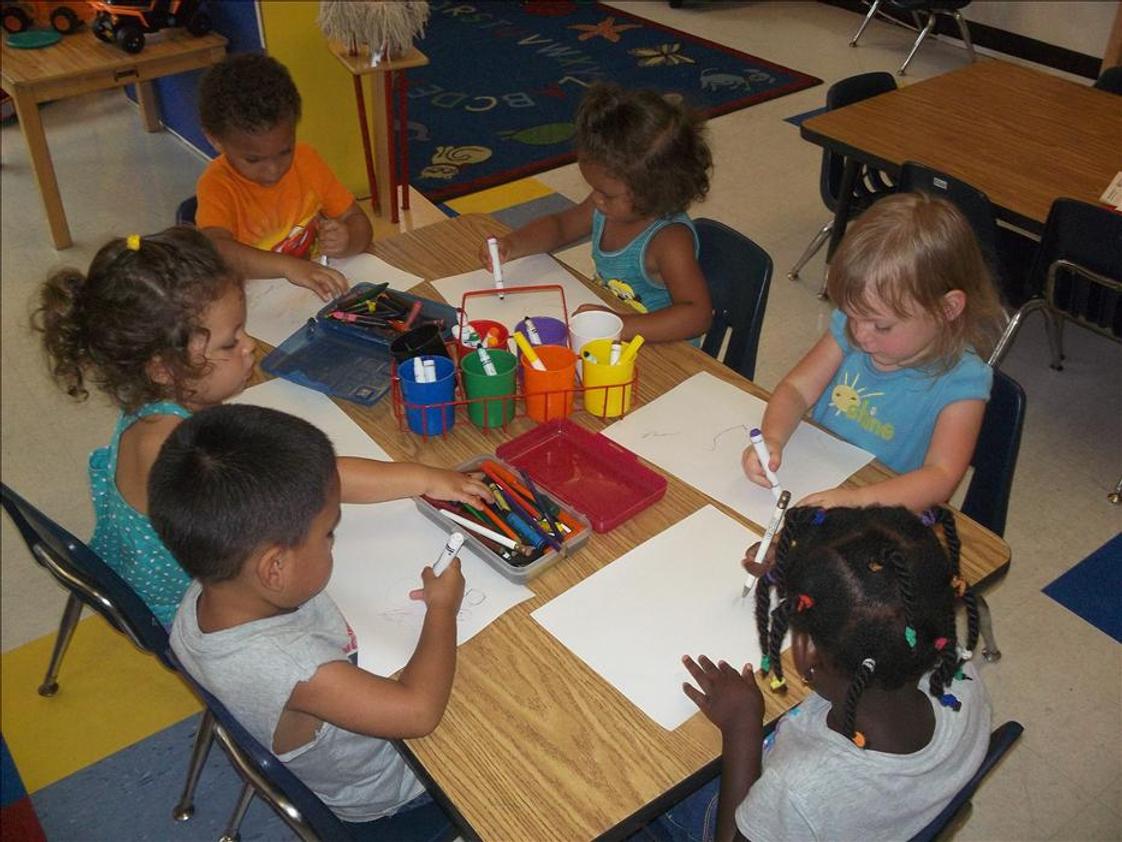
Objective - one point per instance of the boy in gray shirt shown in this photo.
(247, 499)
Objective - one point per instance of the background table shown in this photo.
(81, 64)
(1023, 137)
(534, 744)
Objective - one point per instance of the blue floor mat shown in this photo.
(1093, 588)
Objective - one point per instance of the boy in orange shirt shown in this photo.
(271, 205)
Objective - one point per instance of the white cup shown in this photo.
(592, 324)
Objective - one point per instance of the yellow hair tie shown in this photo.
(778, 683)
(133, 242)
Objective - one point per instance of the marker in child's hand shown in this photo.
(765, 459)
(531, 331)
(486, 362)
(631, 350)
(765, 542)
(455, 542)
(528, 352)
(496, 265)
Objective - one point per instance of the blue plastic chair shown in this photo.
(185, 213)
(738, 273)
(1001, 740)
(1110, 80)
(90, 581)
(871, 183)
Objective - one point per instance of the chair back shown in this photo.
(1110, 80)
(972, 202)
(738, 273)
(79, 569)
(1078, 266)
(185, 213)
(995, 455)
(871, 182)
(1001, 740)
(299, 807)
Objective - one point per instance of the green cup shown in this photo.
(479, 385)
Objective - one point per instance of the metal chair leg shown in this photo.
(1115, 496)
(70, 615)
(927, 27)
(985, 625)
(199, 751)
(964, 31)
(231, 833)
(872, 11)
(811, 250)
(1054, 329)
(1011, 329)
(823, 292)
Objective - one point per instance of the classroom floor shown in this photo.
(1060, 676)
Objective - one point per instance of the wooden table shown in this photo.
(1023, 137)
(81, 64)
(534, 744)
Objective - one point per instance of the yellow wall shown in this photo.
(330, 121)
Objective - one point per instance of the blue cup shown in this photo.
(428, 406)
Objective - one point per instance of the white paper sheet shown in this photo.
(276, 309)
(532, 270)
(698, 430)
(381, 548)
(677, 594)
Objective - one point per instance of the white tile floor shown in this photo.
(1060, 676)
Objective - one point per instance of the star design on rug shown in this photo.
(662, 54)
(608, 28)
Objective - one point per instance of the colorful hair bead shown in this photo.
(949, 700)
(819, 517)
(804, 602)
(960, 675)
(959, 585)
(765, 664)
(132, 242)
(858, 739)
(778, 683)
(910, 636)
(928, 517)
(874, 567)
(870, 665)
(964, 654)
(940, 644)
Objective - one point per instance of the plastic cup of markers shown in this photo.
(429, 410)
(420, 341)
(591, 325)
(549, 394)
(484, 327)
(478, 384)
(552, 331)
(605, 394)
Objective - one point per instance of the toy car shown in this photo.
(124, 23)
(20, 16)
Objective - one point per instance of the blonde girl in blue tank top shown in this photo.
(158, 324)
(646, 160)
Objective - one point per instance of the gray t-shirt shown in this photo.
(253, 668)
(816, 784)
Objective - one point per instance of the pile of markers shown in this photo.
(521, 525)
(377, 309)
(424, 370)
(621, 353)
(470, 337)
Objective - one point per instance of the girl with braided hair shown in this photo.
(897, 721)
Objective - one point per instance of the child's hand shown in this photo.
(751, 463)
(334, 236)
(485, 253)
(443, 591)
(324, 281)
(749, 560)
(452, 485)
(834, 497)
(729, 699)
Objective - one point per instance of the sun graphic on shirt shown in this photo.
(847, 395)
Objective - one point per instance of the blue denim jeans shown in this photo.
(693, 819)
(420, 820)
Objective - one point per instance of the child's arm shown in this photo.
(371, 481)
(545, 234)
(409, 706)
(795, 394)
(948, 456)
(345, 235)
(733, 702)
(250, 262)
(671, 255)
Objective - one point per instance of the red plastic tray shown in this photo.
(587, 471)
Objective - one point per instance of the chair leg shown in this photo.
(872, 11)
(1115, 496)
(927, 27)
(199, 751)
(823, 291)
(964, 31)
(811, 250)
(70, 615)
(231, 833)
(1054, 329)
(985, 625)
(1011, 329)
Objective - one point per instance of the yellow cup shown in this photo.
(607, 388)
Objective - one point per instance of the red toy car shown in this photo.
(124, 23)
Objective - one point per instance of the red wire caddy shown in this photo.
(494, 403)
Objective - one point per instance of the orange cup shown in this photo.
(549, 393)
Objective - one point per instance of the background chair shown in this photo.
(1001, 740)
(185, 213)
(92, 582)
(1110, 80)
(738, 273)
(871, 183)
(930, 8)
